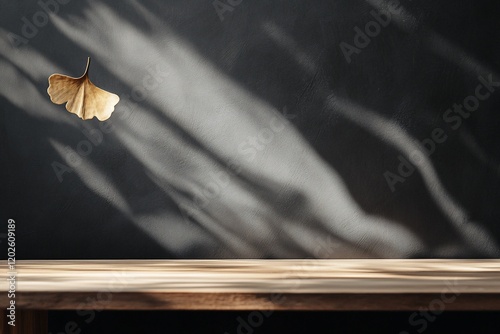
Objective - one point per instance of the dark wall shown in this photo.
(262, 129)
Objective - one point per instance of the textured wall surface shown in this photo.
(254, 129)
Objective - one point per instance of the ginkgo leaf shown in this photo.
(81, 96)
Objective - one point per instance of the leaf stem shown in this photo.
(88, 65)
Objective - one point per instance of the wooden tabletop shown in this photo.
(364, 284)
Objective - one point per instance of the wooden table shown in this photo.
(311, 284)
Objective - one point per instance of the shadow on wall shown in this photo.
(268, 130)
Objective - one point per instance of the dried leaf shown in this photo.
(81, 96)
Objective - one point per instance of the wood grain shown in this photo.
(252, 284)
(249, 301)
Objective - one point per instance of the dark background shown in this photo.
(316, 188)
(279, 322)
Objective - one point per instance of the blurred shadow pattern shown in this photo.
(251, 136)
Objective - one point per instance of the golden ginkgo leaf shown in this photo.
(81, 96)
